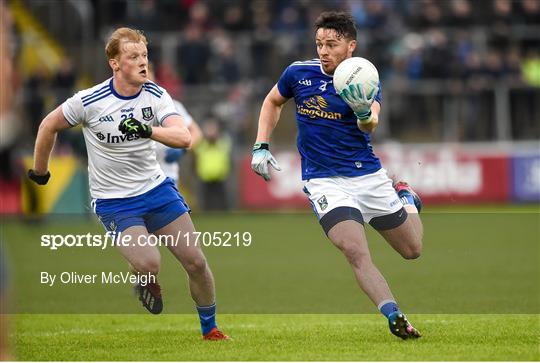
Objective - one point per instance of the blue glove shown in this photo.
(173, 155)
(360, 102)
(261, 158)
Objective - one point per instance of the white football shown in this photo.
(356, 70)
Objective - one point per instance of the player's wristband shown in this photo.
(39, 179)
(261, 146)
(146, 131)
(364, 118)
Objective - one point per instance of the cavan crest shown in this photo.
(323, 203)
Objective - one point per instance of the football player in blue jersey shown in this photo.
(344, 180)
(121, 118)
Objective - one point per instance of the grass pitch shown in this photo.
(474, 294)
(276, 337)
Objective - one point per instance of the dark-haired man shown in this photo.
(344, 180)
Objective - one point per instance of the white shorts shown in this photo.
(372, 195)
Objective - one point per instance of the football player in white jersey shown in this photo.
(121, 118)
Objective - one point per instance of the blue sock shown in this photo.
(388, 307)
(207, 316)
(407, 198)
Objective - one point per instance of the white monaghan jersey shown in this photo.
(119, 166)
(172, 169)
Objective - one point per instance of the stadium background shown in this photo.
(461, 87)
(460, 122)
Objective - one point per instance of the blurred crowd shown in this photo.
(244, 45)
(220, 57)
(419, 39)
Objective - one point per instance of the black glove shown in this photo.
(132, 126)
(39, 179)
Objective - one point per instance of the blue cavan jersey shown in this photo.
(329, 141)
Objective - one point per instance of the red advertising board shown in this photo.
(443, 175)
(450, 175)
(10, 197)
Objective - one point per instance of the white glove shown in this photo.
(359, 101)
(261, 158)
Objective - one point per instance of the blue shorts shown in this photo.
(154, 209)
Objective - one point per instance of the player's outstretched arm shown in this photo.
(368, 126)
(173, 133)
(46, 137)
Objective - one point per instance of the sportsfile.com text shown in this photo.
(115, 239)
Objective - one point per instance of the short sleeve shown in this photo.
(284, 83)
(188, 120)
(73, 110)
(165, 108)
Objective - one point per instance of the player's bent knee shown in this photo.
(148, 265)
(196, 266)
(412, 252)
(411, 255)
